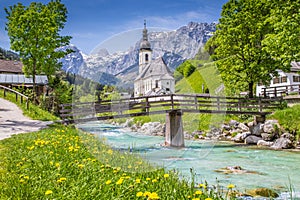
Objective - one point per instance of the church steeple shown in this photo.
(145, 54)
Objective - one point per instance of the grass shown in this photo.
(289, 119)
(65, 163)
(34, 112)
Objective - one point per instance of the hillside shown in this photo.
(205, 77)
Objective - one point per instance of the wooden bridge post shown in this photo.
(174, 129)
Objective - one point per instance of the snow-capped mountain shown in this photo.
(174, 46)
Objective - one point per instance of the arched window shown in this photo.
(146, 57)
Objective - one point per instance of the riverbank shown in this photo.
(259, 168)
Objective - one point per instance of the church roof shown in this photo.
(157, 67)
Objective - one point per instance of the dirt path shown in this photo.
(12, 121)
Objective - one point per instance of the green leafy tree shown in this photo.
(239, 46)
(34, 33)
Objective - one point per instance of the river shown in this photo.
(265, 168)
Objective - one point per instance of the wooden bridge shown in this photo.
(172, 105)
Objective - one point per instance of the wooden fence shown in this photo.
(281, 90)
(141, 106)
(17, 94)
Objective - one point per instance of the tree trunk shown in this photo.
(250, 88)
(34, 91)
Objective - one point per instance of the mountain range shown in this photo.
(121, 68)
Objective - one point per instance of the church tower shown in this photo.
(145, 54)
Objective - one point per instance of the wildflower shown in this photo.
(139, 194)
(30, 148)
(196, 199)
(48, 192)
(138, 180)
(61, 180)
(166, 175)
(26, 177)
(198, 192)
(110, 152)
(230, 186)
(148, 179)
(22, 181)
(147, 194)
(108, 182)
(153, 195)
(129, 167)
(202, 186)
(120, 181)
(208, 198)
(154, 181)
(80, 166)
(57, 165)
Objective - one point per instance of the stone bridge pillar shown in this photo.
(174, 129)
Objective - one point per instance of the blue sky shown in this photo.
(90, 22)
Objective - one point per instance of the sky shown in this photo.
(92, 23)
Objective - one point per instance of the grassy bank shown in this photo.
(65, 163)
(33, 112)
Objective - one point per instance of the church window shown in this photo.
(156, 83)
(146, 57)
(167, 83)
(167, 89)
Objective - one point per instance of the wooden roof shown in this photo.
(11, 66)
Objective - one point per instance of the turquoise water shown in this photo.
(275, 169)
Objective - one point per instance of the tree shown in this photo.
(34, 33)
(239, 46)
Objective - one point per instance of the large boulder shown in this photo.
(262, 192)
(240, 137)
(267, 136)
(252, 139)
(282, 143)
(256, 129)
(264, 143)
(243, 127)
(153, 128)
(271, 126)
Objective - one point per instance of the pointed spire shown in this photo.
(145, 32)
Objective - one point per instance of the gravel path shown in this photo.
(12, 121)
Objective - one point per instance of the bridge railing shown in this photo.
(141, 106)
(283, 90)
(17, 95)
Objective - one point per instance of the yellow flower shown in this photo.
(139, 194)
(202, 186)
(154, 181)
(61, 180)
(196, 199)
(108, 182)
(147, 194)
(148, 179)
(80, 166)
(48, 192)
(166, 175)
(138, 180)
(230, 186)
(120, 181)
(153, 195)
(57, 165)
(198, 192)
(22, 181)
(208, 198)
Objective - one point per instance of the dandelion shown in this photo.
(202, 186)
(154, 181)
(196, 199)
(108, 182)
(57, 165)
(153, 195)
(22, 181)
(61, 180)
(48, 192)
(138, 180)
(198, 192)
(208, 198)
(81, 166)
(230, 186)
(139, 194)
(120, 181)
(148, 179)
(166, 175)
(147, 194)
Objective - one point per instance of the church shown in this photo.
(154, 78)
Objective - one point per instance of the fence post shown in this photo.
(260, 104)
(218, 103)
(275, 92)
(172, 102)
(147, 104)
(4, 92)
(16, 97)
